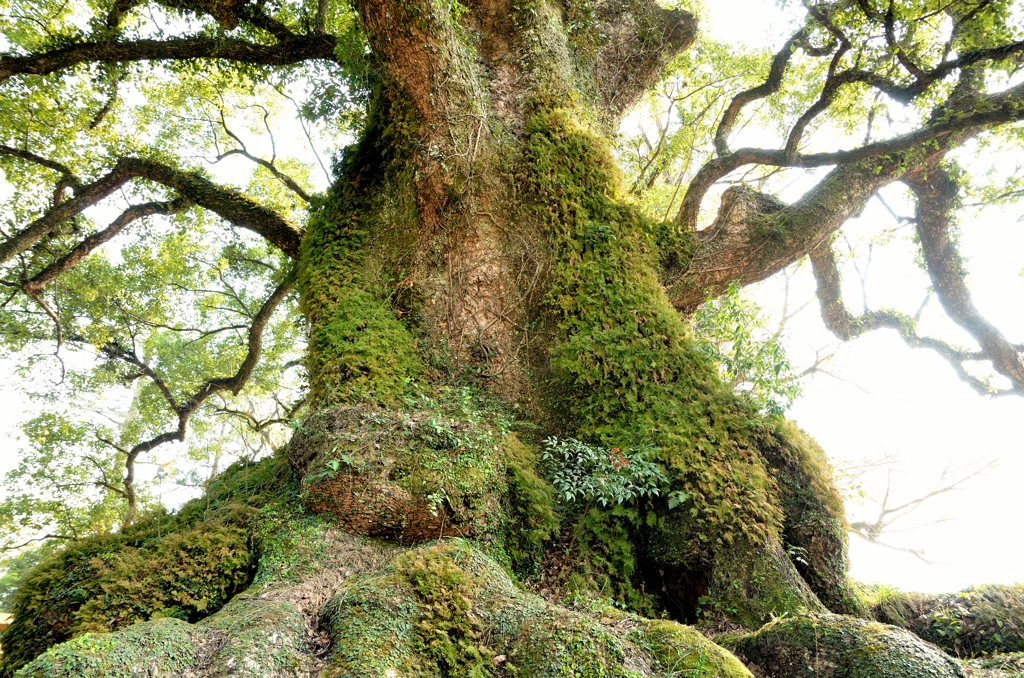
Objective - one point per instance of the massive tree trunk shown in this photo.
(480, 235)
(478, 262)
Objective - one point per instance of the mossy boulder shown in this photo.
(162, 647)
(837, 646)
(448, 609)
(977, 621)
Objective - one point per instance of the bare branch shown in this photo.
(770, 86)
(268, 164)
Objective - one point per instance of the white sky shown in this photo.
(888, 398)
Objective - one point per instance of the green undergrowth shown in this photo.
(977, 621)
(806, 646)
(628, 374)
(185, 565)
(1007, 665)
(449, 610)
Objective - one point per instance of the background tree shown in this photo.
(479, 275)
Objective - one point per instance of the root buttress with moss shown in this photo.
(476, 281)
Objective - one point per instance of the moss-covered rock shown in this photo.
(267, 631)
(836, 646)
(447, 609)
(977, 621)
(163, 647)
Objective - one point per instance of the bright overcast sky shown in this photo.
(888, 399)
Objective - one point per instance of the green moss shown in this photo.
(815, 528)
(372, 624)
(407, 473)
(359, 351)
(186, 565)
(529, 500)
(448, 610)
(160, 647)
(627, 374)
(840, 647)
(682, 651)
(977, 621)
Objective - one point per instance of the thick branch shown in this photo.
(756, 236)
(226, 203)
(639, 40)
(929, 141)
(936, 193)
(293, 50)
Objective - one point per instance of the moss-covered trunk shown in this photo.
(480, 238)
(476, 281)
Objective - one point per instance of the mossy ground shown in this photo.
(977, 621)
(837, 646)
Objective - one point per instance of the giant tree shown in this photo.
(487, 305)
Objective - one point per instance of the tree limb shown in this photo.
(229, 204)
(847, 327)
(639, 38)
(290, 51)
(186, 409)
(38, 282)
(937, 196)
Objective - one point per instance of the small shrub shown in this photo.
(582, 472)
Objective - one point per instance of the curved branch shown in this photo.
(755, 235)
(229, 204)
(290, 51)
(937, 192)
(184, 412)
(770, 86)
(847, 326)
(38, 282)
(931, 140)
